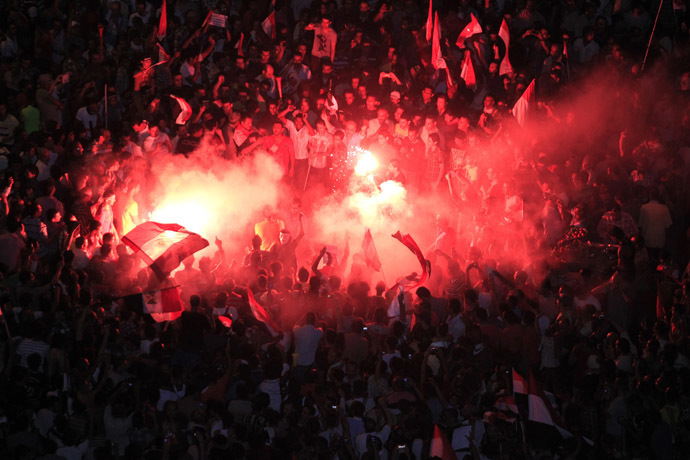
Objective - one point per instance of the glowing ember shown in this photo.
(366, 164)
(190, 215)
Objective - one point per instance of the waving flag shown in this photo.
(504, 34)
(440, 446)
(162, 304)
(412, 245)
(519, 384)
(470, 29)
(185, 110)
(370, 253)
(522, 106)
(541, 410)
(239, 44)
(429, 24)
(163, 246)
(467, 72)
(269, 25)
(436, 57)
(163, 23)
(261, 314)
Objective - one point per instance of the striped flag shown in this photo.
(429, 23)
(185, 110)
(163, 22)
(522, 106)
(504, 34)
(519, 384)
(541, 410)
(370, 253)
(240, 44)
(412, 245)
(436, 57)
(163, 246)
(162, 304)
(467, 72)
(269, 24)
(470, 29)
(261, 314)
(440, 446)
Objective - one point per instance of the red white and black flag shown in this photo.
(470, 29)
(412, 282)
(261, 314)
(269, 24)
(162, 304)
(163, 22)
(370, 253)
(163, 246)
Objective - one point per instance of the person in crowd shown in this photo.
(559, 155)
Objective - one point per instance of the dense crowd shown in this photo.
(563, 261)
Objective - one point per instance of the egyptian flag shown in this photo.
(412, 245)
(541, 410)
(440, 446)
(522, 106)
(269, 24)
(467, 72)
(163, 23)
(504, 34)
(185, 110)
(163, 246)
(239, 44)
(470, 29)
(162, 304)
(436, 57)
(261, 314)
(370, 253)
(429, 24)
(519, 384)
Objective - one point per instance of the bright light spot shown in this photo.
(366, 164)
(190, 215)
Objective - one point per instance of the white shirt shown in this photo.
(300, 139)
(307, 340)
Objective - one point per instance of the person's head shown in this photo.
(441, 103)
(371, 103)
(382, 116)
(427, 94)
(267, 71)
(299, 122)
(326, 22)
(277, 128)
(349, 97)
(321, 127)
(246, 122)
(430, 123)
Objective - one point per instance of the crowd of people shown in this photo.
(557, 133)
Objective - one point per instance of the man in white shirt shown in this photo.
(300, 133)
(307, 339)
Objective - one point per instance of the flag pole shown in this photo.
(651, 36)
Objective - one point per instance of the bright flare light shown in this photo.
(366, 164)
(191, 216)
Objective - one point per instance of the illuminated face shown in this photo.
(398, 113)
(440, 104)
(304, 105)
(429, 124)
(349, 98)
(426, 95)
(362, 91)
(299, 123)
(284, 237)
(277, 129)
(350, 128)
(371, 103)
(302, 49)
(412, 135)
(325, 23)
(268, 71)
(404, 123)
(382, 116)
(321, 128)
(265, 56)
(247, 123)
